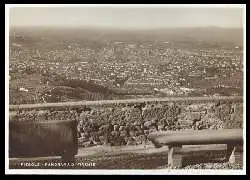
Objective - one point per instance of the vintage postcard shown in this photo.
(125, 89)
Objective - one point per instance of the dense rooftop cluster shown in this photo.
(156, 68)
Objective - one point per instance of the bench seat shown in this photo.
(223, 136)
(175, 139)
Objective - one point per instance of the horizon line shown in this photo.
(121, 28)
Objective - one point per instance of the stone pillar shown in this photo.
(174, 156)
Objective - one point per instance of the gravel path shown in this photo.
(214, 166)
(142, 157)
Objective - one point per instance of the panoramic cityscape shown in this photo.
(128, 69)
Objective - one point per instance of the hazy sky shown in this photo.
(108, 17)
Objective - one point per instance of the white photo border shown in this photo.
(116, 171)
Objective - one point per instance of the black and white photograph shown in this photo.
(125, 89)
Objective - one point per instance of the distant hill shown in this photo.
(208, 34)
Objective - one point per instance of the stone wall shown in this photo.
(128, 122)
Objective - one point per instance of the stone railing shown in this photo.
(128, 122)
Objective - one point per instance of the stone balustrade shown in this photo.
(128, 122)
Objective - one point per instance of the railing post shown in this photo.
(174, 156)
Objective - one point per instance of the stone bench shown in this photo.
(175, 139)
(30, 139)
